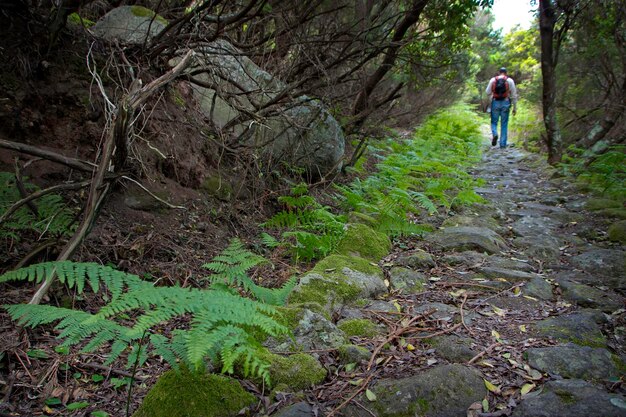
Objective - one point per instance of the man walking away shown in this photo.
(503, 95)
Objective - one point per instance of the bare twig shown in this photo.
(49, 155)
(151, 194)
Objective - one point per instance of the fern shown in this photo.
(53, 216)
(75, 275)
(222, 325)
(231, 268)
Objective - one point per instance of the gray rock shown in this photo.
(314, 331)
(445, 312)
(610, 263)
(542, 247)
(137, 199)
(581, 328)
(586, 296)
(371, 285)
(301, 409)
(443, 391)
(533, 226)
(419, 259)
(508, 274)
(407, 279)
(571, 398)
(467, 258)
(538, 288)
(353, 354)
(303, 133)
(508, 263)
(573, 361)
(351, 313)
(454, 348)
(474, 221)
(380, 305)
(468, 238)
(131, 25)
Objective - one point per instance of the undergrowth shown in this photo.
(605, 174)
(526, 126)
(48, 214)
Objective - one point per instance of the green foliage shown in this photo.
(526, 126)
(53, 216)
(605, 173)
(221, 325)
(232, 266)
(314, 230)
(420, 175)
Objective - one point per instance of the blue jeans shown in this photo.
(500, 109)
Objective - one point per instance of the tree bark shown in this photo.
(547, 22)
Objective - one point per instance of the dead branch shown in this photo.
(52, 156)
(117, 137)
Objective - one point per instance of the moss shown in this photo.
(565, 396)
(178, 98)
(333, 265)
(75, 19)
(190, 394)
(619, 364)
(353, 354)
(298, 372)
(594, 204)
(423, 405)
(363, 241)
(366, 219)
(617, 232)
(359, 327)
(143, 12)
(217, 187)
(618, 213)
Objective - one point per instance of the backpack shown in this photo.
(501, 88)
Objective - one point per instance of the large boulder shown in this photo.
(301, 133)
(573, 361)
(131, 25)
(468, 238)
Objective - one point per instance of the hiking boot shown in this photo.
(494, 141)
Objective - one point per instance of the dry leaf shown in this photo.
(486, 364)
(370, 395)
(522, 328)
(500, 312)
(410, 347)
(397, 306)
(526, 388)
(386, 281)
(491, 387)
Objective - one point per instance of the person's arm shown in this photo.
(489, 84)
(513, 94)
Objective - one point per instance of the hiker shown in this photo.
(503, 93)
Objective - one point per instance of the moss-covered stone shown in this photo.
(361, 240)
(217, 187)
(356, 217)
(594, 204)
(350, 353)
(617, 232)
(190, 394)
(359, 327)
(298, 372)
(337, 279)
(290, 316)
(143, 12)
(618, 213)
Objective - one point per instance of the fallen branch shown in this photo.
(361, 388)
(113, 150)
(49, 155)
(483, 353)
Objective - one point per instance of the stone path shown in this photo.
(527, 293)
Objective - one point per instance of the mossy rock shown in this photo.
(76, 19)
(617, 232)
(191, 394)
(595, 204)
(217, 187)
(298, 372)
(289, 316)
(366, 219)
(350, 353)
(618, 213)
(361, 240)
(337, 279)
(143, 12)
(359, 327)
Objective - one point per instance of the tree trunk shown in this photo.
(547, 22)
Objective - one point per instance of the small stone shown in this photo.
(468, 238)
(581, 328)
(418, 259)
(407, 279)
(301, 409)
(313, 331)
(617, 232)
(538, 288)
(467, 258)
(443, 391)
(586, 296)
(508, 274)
(454, 348)
(571, 398)
(353, 354)
(573, 361)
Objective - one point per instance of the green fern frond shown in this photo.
(75, 274)
(269, 240)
